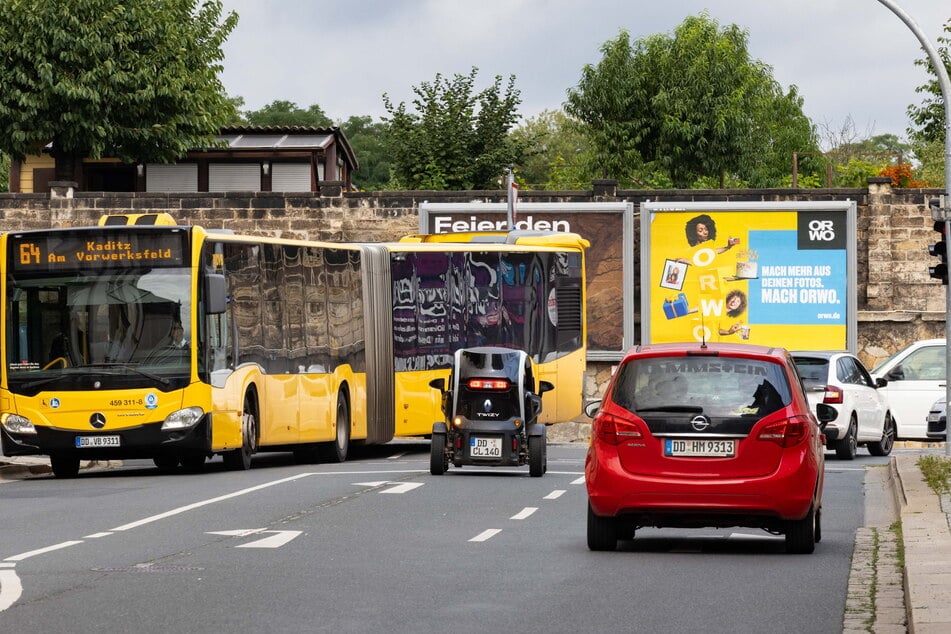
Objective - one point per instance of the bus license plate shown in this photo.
(97, 441)
(693, 447)
(481, 447)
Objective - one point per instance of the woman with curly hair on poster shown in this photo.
(702, 229)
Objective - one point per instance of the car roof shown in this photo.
(710, 348)
(822, 354)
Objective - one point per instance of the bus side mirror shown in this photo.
(545, 386)
(216, 299)
(438, 384)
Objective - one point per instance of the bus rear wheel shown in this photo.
(64, 466)
(338, 449)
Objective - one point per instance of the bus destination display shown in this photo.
(96, 251)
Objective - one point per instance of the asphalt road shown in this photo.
(377, 544)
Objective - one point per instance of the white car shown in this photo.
(916, 379)
(937, 420)
(839, 379)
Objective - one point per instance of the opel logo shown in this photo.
(700, 423)
(487, 406)
(97, 420)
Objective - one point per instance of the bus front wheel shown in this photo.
(240, 459)
(64, 466)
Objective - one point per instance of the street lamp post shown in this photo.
(944, 212)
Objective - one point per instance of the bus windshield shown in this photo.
(105, 329)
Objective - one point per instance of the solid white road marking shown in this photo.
(40, 551)
(403, 488)
(486, 534)
(554, 495)
(97, 535)
(191, 507)
(278, 539)
(525, 512)
(10, 588)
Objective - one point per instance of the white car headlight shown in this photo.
(16, 424)
(183, 418)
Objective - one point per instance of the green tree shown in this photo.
(456, 138)
(927, 130)
(693, 105)
(133, 80)
(4, 172)
(557, 155)
(278, 113)
(368, 140)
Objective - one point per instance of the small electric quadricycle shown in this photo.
(491, 407)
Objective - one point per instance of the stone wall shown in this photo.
(898, 302)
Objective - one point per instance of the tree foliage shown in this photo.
(278, 113)
(927, 132)
(133, 80)
(557, 155)
(693, 105)
(367, 139)
(457, 138)
(928, 118)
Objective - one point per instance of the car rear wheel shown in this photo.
(846, 448)
(438, 460)
(602, 531)
(884, 446)
(536, 456)
(801, 534)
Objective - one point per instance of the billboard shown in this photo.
(611, 283)
(780, 274)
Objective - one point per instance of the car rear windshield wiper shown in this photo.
(690, 409)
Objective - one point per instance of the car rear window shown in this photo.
(813, 369)
(719, 386)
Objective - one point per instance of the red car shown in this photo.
(691, 435)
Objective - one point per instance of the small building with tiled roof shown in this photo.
(250, 158)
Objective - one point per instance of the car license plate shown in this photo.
(483, 447)
(695, 447)
(97, 441)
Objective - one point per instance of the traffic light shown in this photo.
(939, 249)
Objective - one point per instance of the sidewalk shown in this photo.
(926, 537)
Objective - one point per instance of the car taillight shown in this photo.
(614, 430)
(787, 432)
(833, 395)
(488, 384)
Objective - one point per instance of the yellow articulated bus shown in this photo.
(139, 338)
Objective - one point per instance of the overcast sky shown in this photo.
(849, 58)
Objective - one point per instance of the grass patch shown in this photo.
(936, 471)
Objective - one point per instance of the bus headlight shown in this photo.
(183, 418)
(16, 424)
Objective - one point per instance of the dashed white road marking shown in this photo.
(486, 534)
(241, 532)
(278, 539)
(578, 481)
(525, 512)
(403, 488)
(554, 495)
(396, 456)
